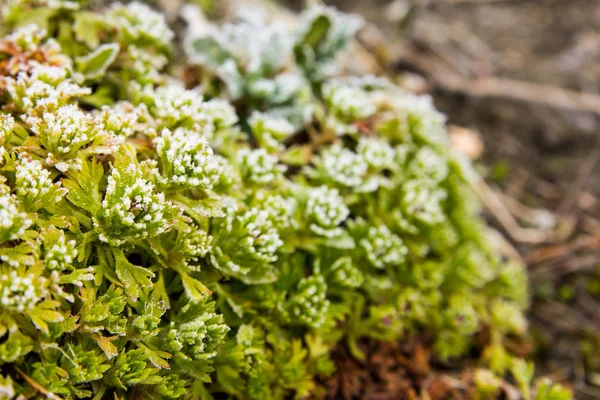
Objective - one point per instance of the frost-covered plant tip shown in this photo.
(165, 241)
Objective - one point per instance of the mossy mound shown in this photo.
(159, 241)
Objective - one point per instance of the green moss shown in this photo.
(154, 241)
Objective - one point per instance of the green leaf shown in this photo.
(344, 242)
(297, 155)
(84, 186)
(44, 313)
(102, 96)
(234, 81)
(197, 369)
(95, 64)
(229, 377)
(208, 51)
(523, 373)
(131, 369)
(200, 391)
(87, 28)
(109, 349)
(22, 254)
(36, 16)
(195, 289)
(317, 32)
(133, 277)
(211, 207)
(547, 390)
(16, 346)
(158, 358)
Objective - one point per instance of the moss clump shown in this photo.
(158, 241)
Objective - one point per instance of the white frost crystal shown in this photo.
(341, 166)
(13, 222)
(259, 167)
(27, 38)
(173, 106)
(34, 185)
(146, 66)
(383, 248)
(221, 113)
(6, 127)
(196, 243)
(44, 88)
(68, 134)
(281, 209)
(269, 130)
(123, 119)
(132, 208)
(187, 159)
(326, 211)
(141, 23)
(309, 303)
(60, 252)
(19, 293)
(423, 202)
(262, 237)
(428, 164)
(377, 153)
(347, 105)
(428, 123)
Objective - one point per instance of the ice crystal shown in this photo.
(326, 210)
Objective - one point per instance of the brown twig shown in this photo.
(504, 246)
(573, 264)
(561, 316)
(536, 217)
(528, 92)
(475, 2)
(546, 190)
(560, 250)
(505, 218)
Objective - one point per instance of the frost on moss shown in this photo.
(181, 242)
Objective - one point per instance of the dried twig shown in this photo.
(560, 250)
(537, 217)
(546, 190)
(505, 218)
(528, 92)
(504, 246)
(573, 264)
(561, 316)
(476, 2)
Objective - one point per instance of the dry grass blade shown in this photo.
(39, 388)
(524, 235)
(560, 250)
(446, 79)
